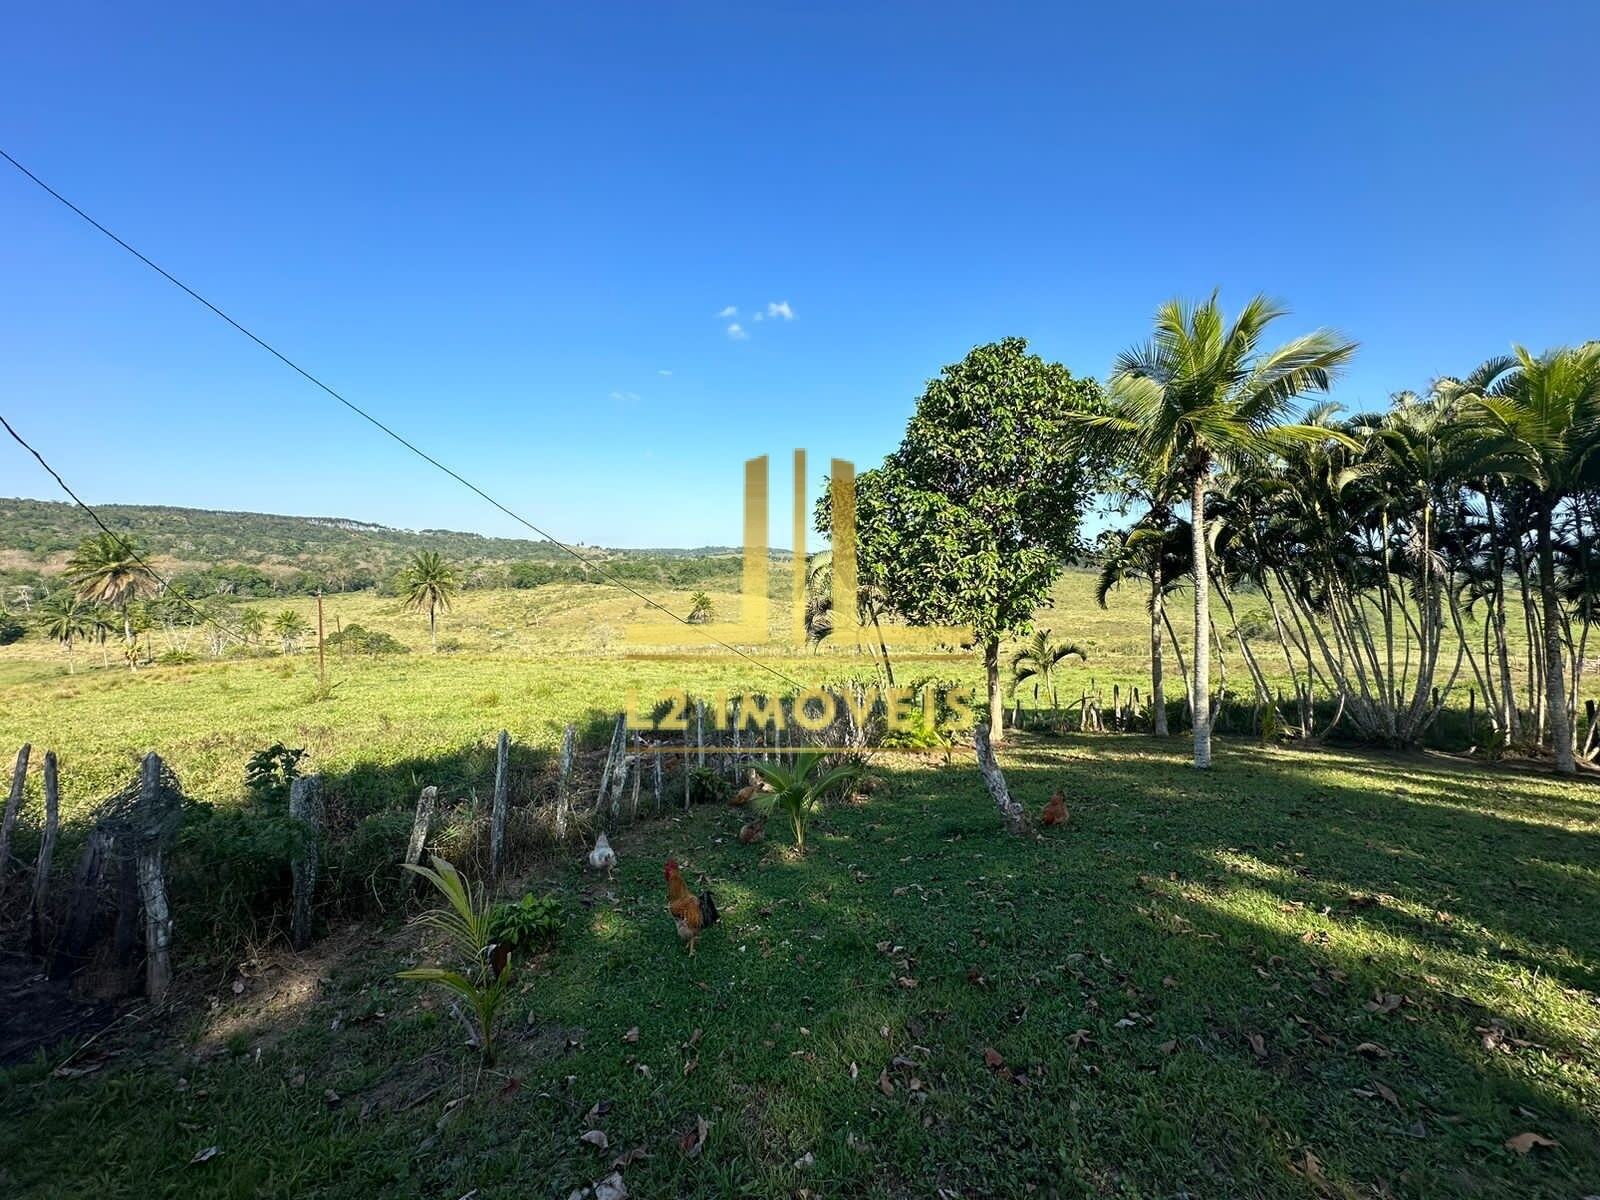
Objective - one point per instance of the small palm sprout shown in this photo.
(1038, 660)
(467, 923)
(797, 790)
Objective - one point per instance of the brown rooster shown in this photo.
(1055, 812)
(690, 913)
(745, 795)
(754, 831)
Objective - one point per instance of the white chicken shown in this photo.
(603, 856)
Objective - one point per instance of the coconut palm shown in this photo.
(62, 618)
(1202, 394)
(428, 585)
(290, 627)
(107, 569)
(1538, 423)
(1038, 659)
(252, 623)
(699, 608)
(872, 606)
(800, 788)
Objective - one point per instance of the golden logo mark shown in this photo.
(753, 625)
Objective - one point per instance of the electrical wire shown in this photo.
(374, 421)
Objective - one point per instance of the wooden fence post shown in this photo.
(618, 745)
(305, 808)
(655, 767)
(699, 733)
(421, 824)
(47, 851)
(497, 827)
(1010, 811)
(19, 776)
(153, 887)
(563, 789)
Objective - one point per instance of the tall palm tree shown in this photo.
(62, 618)
(1539, 423)
(1039, 658)
(428, 584)
(1202, 394)
(106, 569)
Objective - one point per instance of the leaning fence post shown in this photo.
(655, 769)
(618, 745)
(563, 797)
(47, 850)
(19, 776)
(305, 808)
(497, 827)
(421, 823)
(152, 886)
(699, 730)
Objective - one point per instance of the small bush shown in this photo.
(11, 629)
(532, 923)
(357, 639)
(707, 786)
(177, 658)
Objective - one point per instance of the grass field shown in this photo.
(1304, 974)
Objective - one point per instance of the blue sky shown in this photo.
(510, 230)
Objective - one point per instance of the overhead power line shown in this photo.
(593, 564)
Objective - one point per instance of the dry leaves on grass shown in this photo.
(609, 1188)
(993, 1059)
(692, 1142)
(1524, 1143)
(632, 1035)
(1373, 1050)
(211, 1152)
(1258, 1044)
(597, 1138)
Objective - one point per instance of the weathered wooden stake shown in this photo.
(81, 908)
(305, 808)
(497, 826)
(19, 776)
(618, 745)
(564, 787)
(421, 824)
(699, 734)
(153, 889)
(1010, 811)
(638, 772)
(47, 851)
(655, 768)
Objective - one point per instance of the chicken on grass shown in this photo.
(692, 914)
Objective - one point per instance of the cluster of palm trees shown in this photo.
(1396, 551)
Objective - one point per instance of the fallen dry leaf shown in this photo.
(885, 1084)
(211, 1152)
(1386, 1094)
(1258, 1044)
(1372, 1050)
(597, 1138)
(632, 1035)
(1169, 1047)
(691, 1142)
(1524, 1143)
(992, 1058)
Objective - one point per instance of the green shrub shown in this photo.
(11, 629)
(268, 773)
(708, 786)
(534, 922)
(357, 639)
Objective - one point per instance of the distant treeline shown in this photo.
(257, 556)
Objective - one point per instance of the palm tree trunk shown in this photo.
(433, 637)
(991, 663)
(1158, 694)
(1202, 625)
(1554, 651)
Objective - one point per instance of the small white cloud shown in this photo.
(664, 372)
(625, 397)
(730, 311)
(759, 316)
(736, 332)
(780, 308)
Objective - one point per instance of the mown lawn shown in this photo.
(1303, 974)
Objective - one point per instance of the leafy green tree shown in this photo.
(1202, 394)
(62, 617)
(1038, 659)
(428, 585)
(106, 569)
(699, 608)
(970, 521)
(800, 788)
(1538, 423)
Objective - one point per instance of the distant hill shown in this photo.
(263, 554)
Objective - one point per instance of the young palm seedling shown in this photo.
(798, 789)
(467, 923)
